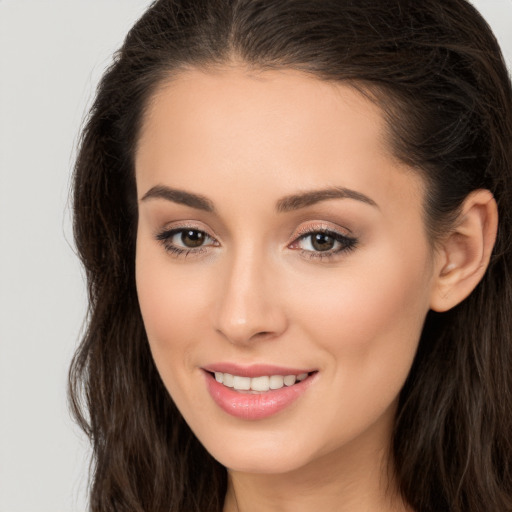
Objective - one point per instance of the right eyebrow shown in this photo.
(180, 197)
(308, 198)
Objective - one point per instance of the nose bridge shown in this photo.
(247, 307)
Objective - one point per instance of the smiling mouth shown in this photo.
(256, 394)
(260, 384)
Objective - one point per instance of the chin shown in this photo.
(259, 461)
(264, 452)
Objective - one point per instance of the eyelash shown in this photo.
(346, 243)
(165, 238)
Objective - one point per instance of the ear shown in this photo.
(464, 254)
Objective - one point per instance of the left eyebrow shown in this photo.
(308, 198)
(180, 197)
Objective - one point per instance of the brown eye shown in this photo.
(185, 241)
(192, 238)
(322, 242)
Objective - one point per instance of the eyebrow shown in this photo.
(285, 204)
(308, 198)
(179, 196)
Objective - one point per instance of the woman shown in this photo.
(295, 219)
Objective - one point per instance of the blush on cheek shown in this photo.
(171, 304)
(378, 311)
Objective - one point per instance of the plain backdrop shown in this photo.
(52, 53)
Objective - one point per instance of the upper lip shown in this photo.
(254, 370)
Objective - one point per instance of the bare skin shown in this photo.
(349, 485)
(240, 269)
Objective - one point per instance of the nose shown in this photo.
(248, 306)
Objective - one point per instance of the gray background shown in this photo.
(52, 54)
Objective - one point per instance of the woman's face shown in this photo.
(278, 237)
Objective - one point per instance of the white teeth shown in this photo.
(227, 380)
(260, 383)
(276, 382)
(242, 383)
(289, 380)
(263, 383)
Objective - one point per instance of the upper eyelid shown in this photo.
(334, 234)
(176, 227)
(323, 227)
(174, 231)
(297, 233)
(169, 233)
(164, 237)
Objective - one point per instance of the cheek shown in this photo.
(376, 292)
(368, 324)
(369, 319)
(171, 307)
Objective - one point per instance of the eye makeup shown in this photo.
(323, 244)
(318, 241)
(315, 241)
(184, 241)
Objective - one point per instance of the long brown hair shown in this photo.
(437, 72)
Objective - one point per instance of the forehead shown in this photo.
(267, 131)
(231, 101)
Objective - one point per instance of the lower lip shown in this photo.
(255, 406)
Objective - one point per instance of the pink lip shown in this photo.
(255, 406)
(254, 370)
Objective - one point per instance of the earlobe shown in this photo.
(465, 252)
